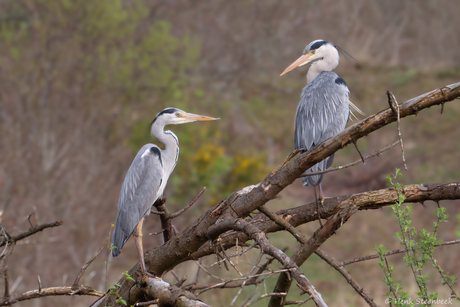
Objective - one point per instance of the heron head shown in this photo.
(318, 50)
(174, 116)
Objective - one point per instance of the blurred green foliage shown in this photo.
(132, 68)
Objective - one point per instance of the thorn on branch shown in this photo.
(30, 222)
(360, 154)
(392, 102)
(39, 284)
(444, 96)
(181, 282)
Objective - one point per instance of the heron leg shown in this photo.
(321, 195)
(319, 201)
(140, 250)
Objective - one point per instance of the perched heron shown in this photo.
(324, 107)
(146, 179)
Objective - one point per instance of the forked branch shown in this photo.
(244, 202)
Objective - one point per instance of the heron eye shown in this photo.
(178, 114)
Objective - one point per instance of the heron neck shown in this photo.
(170, 154)
(326, 64)
(312, 74)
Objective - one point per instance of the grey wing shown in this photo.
(323, 112)
(140, 189)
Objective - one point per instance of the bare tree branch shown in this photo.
(87, 264)
(10, 242)
(53, 291)
(243, 202)
(191, 203)
(393, 252)
(339, 267)
(32, 230)
(340, 167)
(331, 261)
(364, 201)
(307, 249)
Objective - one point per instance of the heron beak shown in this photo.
(190, 117)
(303, 60)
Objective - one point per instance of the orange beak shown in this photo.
(197, 117)
(303, 60)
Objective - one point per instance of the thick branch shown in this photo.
(241, 203)
(363, 201)
(53, 291)
(170, 295)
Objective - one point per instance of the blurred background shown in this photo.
(80, 82)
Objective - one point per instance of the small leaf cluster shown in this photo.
(114, 289)
(419, 250)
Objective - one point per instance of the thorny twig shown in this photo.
(207, 272)
(331, 261)
(268, 295)
(236, 282)
(32, 231)
(229, 261)
(297, 302)
(395, 108)
(283, 223)
(236, 254)
(340, 268)
(357, 149)
(87, 264)
(251, 272)
(377, 153)
(390, 253)
(257, 235)
(176, 214)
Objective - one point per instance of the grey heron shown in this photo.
(324, 106)
(146, 179)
